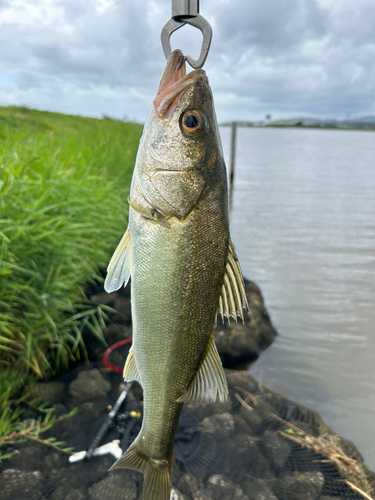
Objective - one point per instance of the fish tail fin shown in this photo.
(158, 473)
(158, 483)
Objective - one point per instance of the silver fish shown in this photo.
(178, 252)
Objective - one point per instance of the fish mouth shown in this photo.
(173, 84)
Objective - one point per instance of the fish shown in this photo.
(183, 268)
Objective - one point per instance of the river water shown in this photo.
(303, 225)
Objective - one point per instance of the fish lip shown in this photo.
(175, 69)
(174, 82)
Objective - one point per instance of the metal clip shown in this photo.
(187, 12)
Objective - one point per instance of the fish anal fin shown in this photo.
(130, 369)
(233, 297)
(158, 473)
(119, 267)
(209, 383)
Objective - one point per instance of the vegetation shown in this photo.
(15, 432)
(64, 181)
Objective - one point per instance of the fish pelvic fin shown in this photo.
(119, 267)
(209, 383)
(158, 473)
(233, 298)
(130, 369)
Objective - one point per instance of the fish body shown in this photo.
(177, 250)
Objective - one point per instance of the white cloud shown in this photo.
(104, 56)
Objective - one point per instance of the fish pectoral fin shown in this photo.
(233, 297)
(119, 267)
(209, 382)
(130, 369)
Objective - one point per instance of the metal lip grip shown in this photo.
(187, 12)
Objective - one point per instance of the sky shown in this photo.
(286, 58)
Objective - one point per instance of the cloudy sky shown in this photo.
(283, 57)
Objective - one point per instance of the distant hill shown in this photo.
(364, 119)
(361, 122)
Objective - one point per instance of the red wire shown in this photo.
(107, 363)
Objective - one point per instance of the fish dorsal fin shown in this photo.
(119, 267)
(130, 369)
(233, 297)
(209, 383)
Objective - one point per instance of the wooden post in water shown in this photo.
(232, 159)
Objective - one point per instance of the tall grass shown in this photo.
(63, 187)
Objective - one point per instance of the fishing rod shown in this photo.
(108, 421)
(187, 12)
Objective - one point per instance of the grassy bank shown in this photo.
(64, 181)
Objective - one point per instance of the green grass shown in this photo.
(64, 181)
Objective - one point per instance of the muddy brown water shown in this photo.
(303, 224)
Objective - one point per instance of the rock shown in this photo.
(241, 379)
(188, 485)
(259, 490)
(29, 414)
(75, 495)
(107, 299)
(176, 495)
(26, 458)
(221, 407)
(98, 407)
(31, 496)
(299, 486)
(252, 419)
(350, 449)
(116, 332)
(241, 425)
(220, 488)
(242, 456)
(16, 483)
(88, 385)
(60, 409)
(46, 392)
(235, 342)
(62, 494)
(276, 449)
(239, 494)
(53, 460)
(222, 425)
(120, 485)
(245, 460)
(122, 305)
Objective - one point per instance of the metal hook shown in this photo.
(198, 22)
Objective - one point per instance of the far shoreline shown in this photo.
(303, 127)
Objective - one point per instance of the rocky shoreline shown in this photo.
(258, 445)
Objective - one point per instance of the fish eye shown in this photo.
(192, 122)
